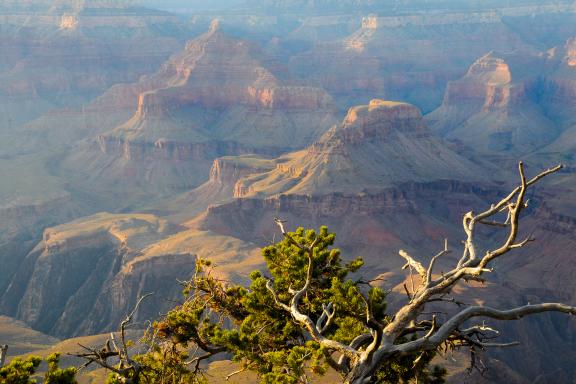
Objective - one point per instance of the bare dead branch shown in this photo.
(3, 354)
(433, 261)
(457, 320)
(325, 320)
(469, 267)
(494, 223)
(243, 369)
(411, 262)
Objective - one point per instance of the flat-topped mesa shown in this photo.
(489, 84)
(496, 106)
(377, 146)
(378, 120)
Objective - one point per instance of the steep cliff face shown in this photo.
(85, 276)
(60, 280)
(412, 216)
(215, 98)
(408, 57)
(495, 106)
(222, 186)
(81, 50)
(30, 200)
(376, 146)
(115, 297)
(22, 225)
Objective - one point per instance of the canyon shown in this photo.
(134, 141)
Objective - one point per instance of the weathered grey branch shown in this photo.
(470, 266)
(433, 261)
(3, 354)
(325, 320)
(125, 323)
(359, 360)
(457, 320)
(411, 262)
(127, 368)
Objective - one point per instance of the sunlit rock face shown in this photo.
(220, 96)
(100, 265)
(495, 107)
(57, 55)
(81, 259)
(378, 145)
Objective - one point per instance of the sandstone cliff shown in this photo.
(409, 60)
(85, 276)
(376, 146)
(73, 261)
(495, 106)
(222, 186)
(57, 57)
(216, 98)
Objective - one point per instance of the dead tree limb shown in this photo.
(359, 360)
(3, 354)
(113, 357)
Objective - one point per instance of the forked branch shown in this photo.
(122, 364)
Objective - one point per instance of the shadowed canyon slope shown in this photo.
(515, 103)
(215, 98)
(194, 147)
(57, 56)
(101, 264)
(411, 57)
